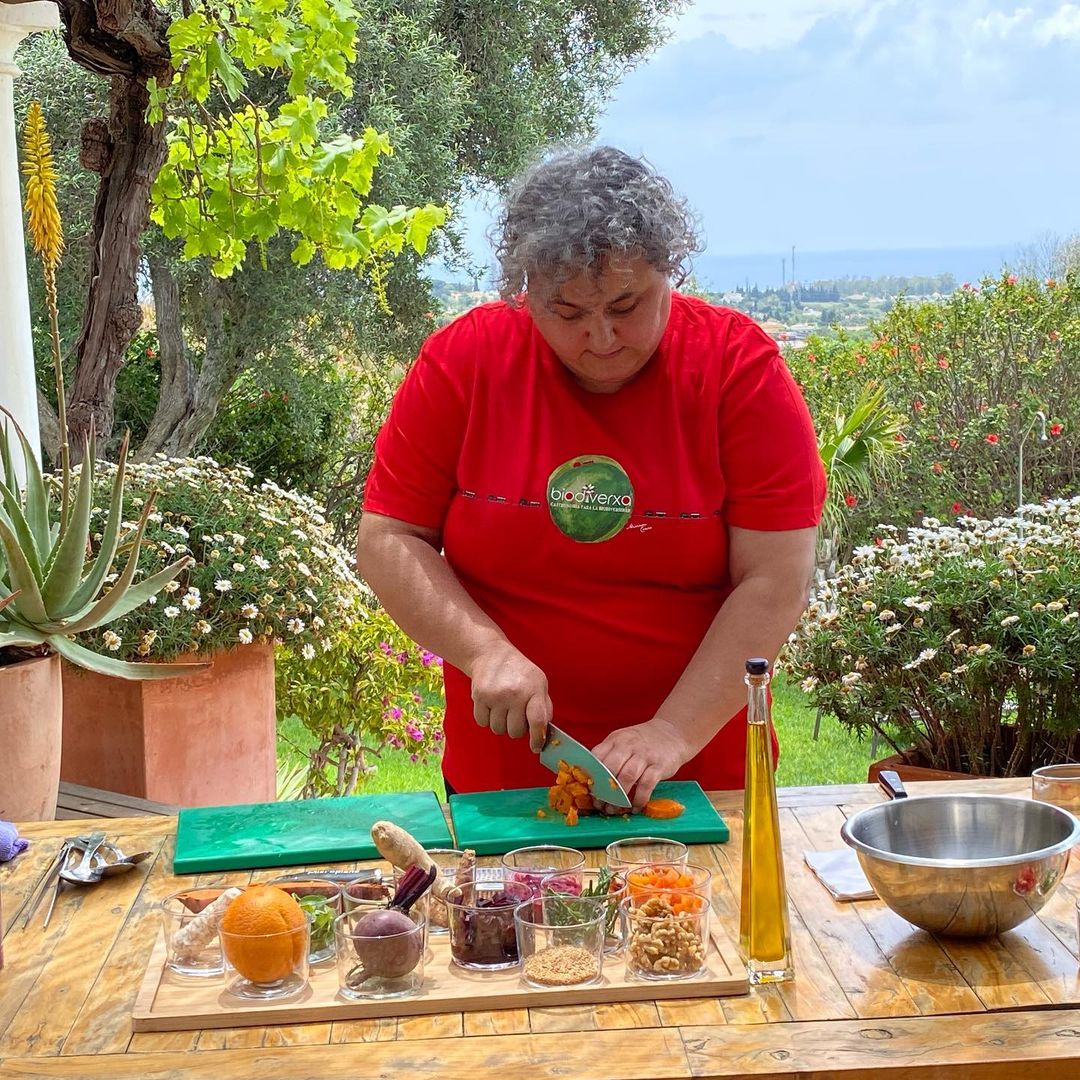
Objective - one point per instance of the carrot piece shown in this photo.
(571, 816)
(583, 802)
(663, 808)
(541, 813)
(579, 774)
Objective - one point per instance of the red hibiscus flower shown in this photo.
(851, 500)
(957, 508)
(1011, 279)
(860, 360)
(918, 405)
(937, 467)
(992, 439)
(151, 353)
(901, 437)
(942, 362)
(954, 443)
(1056, 429)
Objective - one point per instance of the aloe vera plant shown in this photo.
(49, 587)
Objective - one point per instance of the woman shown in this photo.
(597, 497)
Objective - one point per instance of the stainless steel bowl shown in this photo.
(963, 865)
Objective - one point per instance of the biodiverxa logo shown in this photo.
(590, 498)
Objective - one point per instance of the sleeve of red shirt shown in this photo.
(414, 474)
(768, 447)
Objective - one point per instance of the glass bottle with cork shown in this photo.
(764, 932)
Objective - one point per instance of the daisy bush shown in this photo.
(264, 569)
(959, 640)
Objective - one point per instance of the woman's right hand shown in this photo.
(510, 694)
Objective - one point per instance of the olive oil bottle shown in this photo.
(764, 933)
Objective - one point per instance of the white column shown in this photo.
(18, 391)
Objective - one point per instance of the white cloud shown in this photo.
(998, 24)
(1063, 25)
(749, 24)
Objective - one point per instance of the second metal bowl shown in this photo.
(963, 865)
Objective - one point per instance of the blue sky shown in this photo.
(858, 124)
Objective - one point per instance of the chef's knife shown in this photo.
(560, 747)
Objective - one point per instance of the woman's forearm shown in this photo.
(756, 619)
(422, 594)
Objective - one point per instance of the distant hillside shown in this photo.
(724, 272)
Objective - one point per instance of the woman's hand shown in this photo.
(642, 755)
(510, 694)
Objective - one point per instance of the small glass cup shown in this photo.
(1058, 784)
(669, 877)
(188, 952)
(481, 918)
(267, 966)
(321, 901)
(607, 886)
(560, 940)
(398, 958)
(447, 860)
(530, 865)
(667, 935)
(359, 892)
(635, 850)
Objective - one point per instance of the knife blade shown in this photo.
(558, 746)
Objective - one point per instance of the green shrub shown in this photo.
(958, 640)
(373, 690)
(968, 373)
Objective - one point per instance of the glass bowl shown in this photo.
(397, 960)
(481, 918)
(560, 940)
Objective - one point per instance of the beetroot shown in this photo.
(388, 945)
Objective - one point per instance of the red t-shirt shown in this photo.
(592, 528)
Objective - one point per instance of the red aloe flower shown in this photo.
(1056, 429)
(992, 439)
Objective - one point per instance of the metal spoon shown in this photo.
(121, 866)
(85, 873)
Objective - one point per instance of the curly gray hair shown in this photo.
(568, 212)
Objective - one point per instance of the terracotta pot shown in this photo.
(906, 764)
(205, 739)
(31, 715)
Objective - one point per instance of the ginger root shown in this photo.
(401, 849)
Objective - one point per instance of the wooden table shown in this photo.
(872, 996)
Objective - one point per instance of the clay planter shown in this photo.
(197, 740)
(906, 765)
(31, 714)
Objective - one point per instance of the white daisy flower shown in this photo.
(112, 641)
(295, 626)
(249, 611)
(246, 636)
(223, 585)
(1009, 620)
(308, 651)
(171, 612)
(190, 602)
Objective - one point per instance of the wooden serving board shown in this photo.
(167, 1002)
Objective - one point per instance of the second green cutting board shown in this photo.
(495, 822)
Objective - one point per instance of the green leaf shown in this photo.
(303, 252)
(91, 585)
(69, 558)
(106, 665)
(30, 607)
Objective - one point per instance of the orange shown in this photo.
(262, 933)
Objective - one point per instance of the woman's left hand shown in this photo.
(641, 756)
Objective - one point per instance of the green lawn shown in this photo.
(835, 757)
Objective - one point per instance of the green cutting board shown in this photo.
(300, 831)
(495, 822)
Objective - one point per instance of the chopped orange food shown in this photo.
(541, 813)
(664, 877)
(571, 794)
(663, 808)
(571, 816)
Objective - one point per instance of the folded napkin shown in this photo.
(839, 871)
(11, 843)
